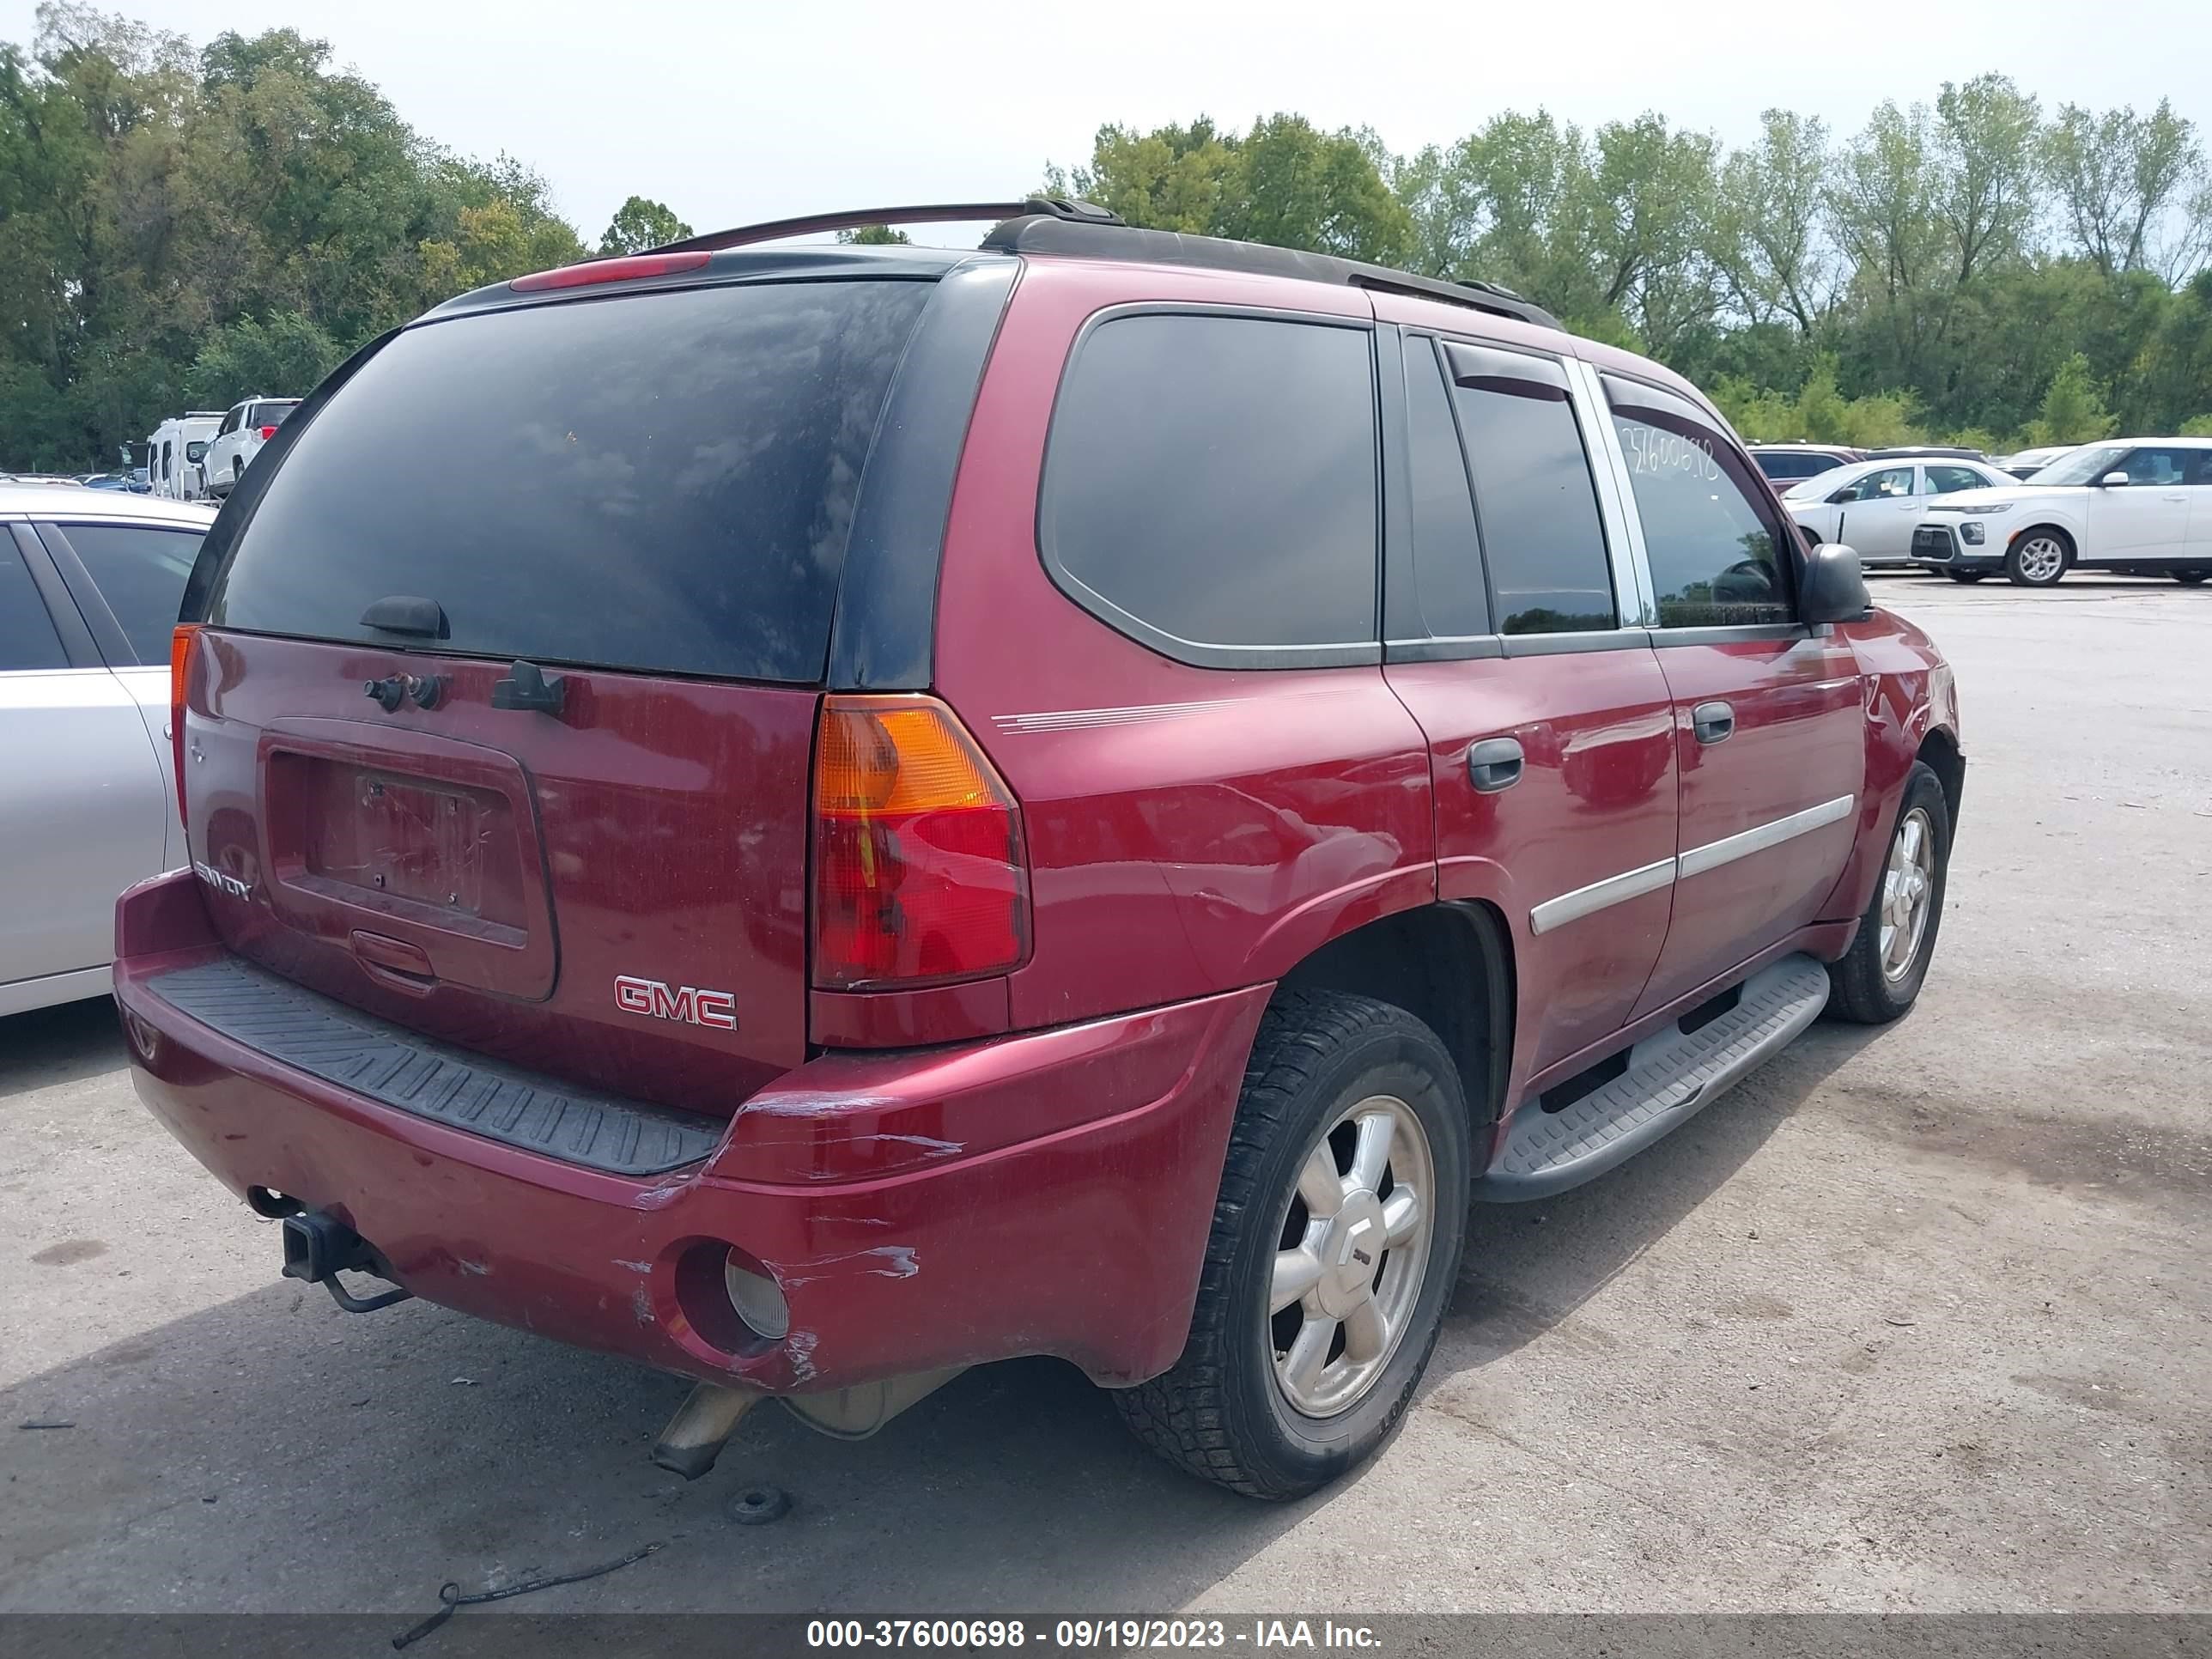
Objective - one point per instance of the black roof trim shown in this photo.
(1039, 234)
(942, 213)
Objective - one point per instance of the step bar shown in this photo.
(1670, 1075)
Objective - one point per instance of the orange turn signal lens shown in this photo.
(919, 874)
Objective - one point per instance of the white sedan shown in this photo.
(90, 584)
(1875, 506)
(2139, 506)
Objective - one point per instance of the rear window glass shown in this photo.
(1210, 481)
(268, 414)
(658, 481)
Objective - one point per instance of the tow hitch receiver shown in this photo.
(318, 1248)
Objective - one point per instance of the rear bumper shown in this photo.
(1048, 1193)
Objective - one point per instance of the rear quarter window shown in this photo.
(1210, 486)
(661, 481)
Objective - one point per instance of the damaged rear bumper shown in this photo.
(1048, 1193)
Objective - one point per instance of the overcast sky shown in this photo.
(738, 112)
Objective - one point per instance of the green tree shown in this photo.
(875, 236)
(2123, 180)
(284, 357)
(639, 224)
(2073, 411)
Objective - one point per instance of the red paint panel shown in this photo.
(1189, 830)
(1596, 799)
(1799, 741)
(656, 828)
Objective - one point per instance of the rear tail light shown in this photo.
(919, 876)
(182, 640)
(267, 432)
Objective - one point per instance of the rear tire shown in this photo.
(1324, 1067)
(2039, 557)
(1879, 977)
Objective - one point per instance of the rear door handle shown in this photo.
(1493, 764)
(1712, 721)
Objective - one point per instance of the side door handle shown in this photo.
(1493, 764)
(1712, 721)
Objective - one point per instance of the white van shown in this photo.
(175, 450)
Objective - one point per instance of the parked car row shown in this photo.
(1875, 506)
(201, 455)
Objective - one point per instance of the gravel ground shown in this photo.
(1913, 1318)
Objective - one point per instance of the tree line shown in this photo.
(182, 227)
(1980, 270)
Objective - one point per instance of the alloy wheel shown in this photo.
(1908, 889)
(1352, 1252)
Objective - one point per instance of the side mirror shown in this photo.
(1831, 588)
(1849, 492)
(2111, 480)
(195, 451)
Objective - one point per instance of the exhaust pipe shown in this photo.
(319, 1247)
(702, 1425)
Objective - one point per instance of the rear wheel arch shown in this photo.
(1451, 966)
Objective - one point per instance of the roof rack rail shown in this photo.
(1088, 213)
(1082, 237)
(1040, 224)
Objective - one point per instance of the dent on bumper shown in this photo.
(1048, 1193)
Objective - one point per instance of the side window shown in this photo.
(1542, 540)
(1943, 480)
(1447, 585)
(2160, 466)
(1209, 485)
(140, 571)
(28, 639)
(1714, 555)
(1888, 485)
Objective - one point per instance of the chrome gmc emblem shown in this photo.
(688, 1003)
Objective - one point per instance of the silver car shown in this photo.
(1875, 506)
(90, 583)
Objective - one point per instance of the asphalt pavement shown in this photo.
(1912, 1319)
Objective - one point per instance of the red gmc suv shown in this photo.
(858, 811)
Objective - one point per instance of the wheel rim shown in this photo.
(1352, 1252)
(2041, 559)
(1908, 894)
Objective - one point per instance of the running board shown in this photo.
(1670, 1075)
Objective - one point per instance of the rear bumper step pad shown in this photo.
(394, 1067)
(1670, 1075)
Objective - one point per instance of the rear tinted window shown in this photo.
(268, 414)
(140, 571)
(1794, 467)
(658, 481)
(1211, 480)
